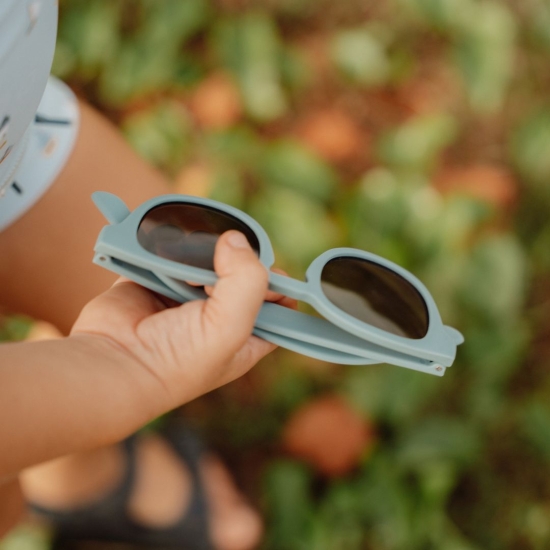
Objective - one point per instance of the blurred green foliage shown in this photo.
(461, 463)
(15, 327)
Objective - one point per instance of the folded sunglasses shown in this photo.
(370, 309)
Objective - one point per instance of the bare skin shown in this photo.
(12, 504)
(55, 240)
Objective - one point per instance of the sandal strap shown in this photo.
(109, 511)
(107, 519)
(195, 524)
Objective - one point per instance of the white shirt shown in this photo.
(38, 114)
(27, 41)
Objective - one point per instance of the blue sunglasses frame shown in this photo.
(337, 337)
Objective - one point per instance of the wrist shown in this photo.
(147, 392)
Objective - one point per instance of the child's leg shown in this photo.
(45, 267)
(46, 272)
(12, 506)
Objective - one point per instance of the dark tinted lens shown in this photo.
(187, 233)
(375, 295)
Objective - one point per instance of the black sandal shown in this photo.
(107, 520)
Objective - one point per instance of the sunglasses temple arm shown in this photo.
(152, 282)
(456, 336)
(289, 287)
(312, 350)
(114, 210)
(141, 276)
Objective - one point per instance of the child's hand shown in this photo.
(131, 356)
(192, 348)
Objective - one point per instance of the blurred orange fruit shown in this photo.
(194, 179)
(490, 183)
(328, 434)
(333, 135)
(216, 103)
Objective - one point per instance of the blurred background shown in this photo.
(416, 129)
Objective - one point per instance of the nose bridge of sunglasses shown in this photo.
(110, 206)
(287, 286)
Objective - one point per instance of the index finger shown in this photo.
(270, 296)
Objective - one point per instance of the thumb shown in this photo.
(230, 311)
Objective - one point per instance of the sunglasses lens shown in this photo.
(375, 295)
(187, 233)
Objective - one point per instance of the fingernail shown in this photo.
(237, 240)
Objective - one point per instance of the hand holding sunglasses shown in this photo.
(372, 310)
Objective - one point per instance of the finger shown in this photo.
(271, 295)
(125, 303)
(285, 301)
(254, 349)
(121, 280)
(164, 300)
(230, 312)
(140, 298)
(191, 283)
(208, 290)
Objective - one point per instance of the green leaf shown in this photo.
(530, 147)
(484, 44)
(494, 283)
(446, 15)
(436, 479)
(535, 424)
(387, 504)
(238, 146)
(495, 350)
(160, 134)
(137, 71)
(493, 354)
(167, 24)
(296, 73)
(540, 250)
(187, 72)
(399, 215)
(290, 507)
(535, 525)
(418, 143)
(393, 395)
(149, 59)
(289, 164)
(540, 25)
(485, 53)
(461, 218)
(26, 537)
(375, 215)
(438, 439)
(338, 524)
(249, 46)
(228, 188)
(15, 328)
(88, 38)
(299, 227)
(361, 56)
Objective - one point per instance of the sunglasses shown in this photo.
(370, 309)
